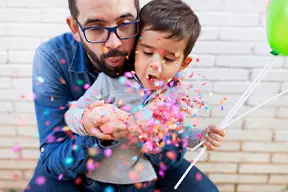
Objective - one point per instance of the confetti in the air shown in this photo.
(199, 177)
(40, 79)
(41, 180)
(108, 152)
(69, 161)
(109, 189)
(63, 61)
(60, 177)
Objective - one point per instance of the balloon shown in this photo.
(277, 26)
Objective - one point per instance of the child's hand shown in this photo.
(214, 137)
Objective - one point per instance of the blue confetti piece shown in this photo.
(109, 189)
(69, 161)
(122, 80)
(40, 79)
(134, 158)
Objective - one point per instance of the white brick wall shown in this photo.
(232, 50)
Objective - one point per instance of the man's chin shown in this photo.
(114, 72)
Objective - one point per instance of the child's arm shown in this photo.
(73, 117)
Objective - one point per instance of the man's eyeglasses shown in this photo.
(100, 34)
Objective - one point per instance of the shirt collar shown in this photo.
(80, 62)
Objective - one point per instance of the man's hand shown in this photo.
(93, 118)
(214, 137)
(107, 122)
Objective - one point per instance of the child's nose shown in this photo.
(156, 63)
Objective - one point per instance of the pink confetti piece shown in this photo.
(86, 86)
(128, 74)
(199, 177)
(134, 176)
(108, 152)
(63, 61)
(60, 177)
(16, 148)
(41, 180)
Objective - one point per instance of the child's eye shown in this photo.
(168, 60)
(148, 53)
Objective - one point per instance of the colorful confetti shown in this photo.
(63, 61)
(108, 152)
(86, 86)
(60, 177)
(198, 177)
(40, 79)
(69, 161)
(109, 189)
(41, 180)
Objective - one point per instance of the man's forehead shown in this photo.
(106, 10)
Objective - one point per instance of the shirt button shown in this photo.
(42, 149)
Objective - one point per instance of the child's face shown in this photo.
(158, 59)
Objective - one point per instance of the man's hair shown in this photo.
(174, 17)
(74, 10)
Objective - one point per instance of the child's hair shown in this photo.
(174, 17)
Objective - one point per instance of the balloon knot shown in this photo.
(274, 52)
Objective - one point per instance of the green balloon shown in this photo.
(277, 26)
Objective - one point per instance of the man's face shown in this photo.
(110, 56)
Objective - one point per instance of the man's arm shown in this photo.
(61, 151)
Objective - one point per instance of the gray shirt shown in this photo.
(116, 168)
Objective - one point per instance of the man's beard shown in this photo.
(100, 62)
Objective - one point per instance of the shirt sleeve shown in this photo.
(73, 117)
(62, 152)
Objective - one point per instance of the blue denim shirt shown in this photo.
(60, 72)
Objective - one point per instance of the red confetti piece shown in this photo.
(16, 177)
(63, 61)
(197, 60)
(191, 75)
(62, 81)
(171, 155)
(161, 52)
(78, 181)
(199, 177)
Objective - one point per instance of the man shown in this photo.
(63, 69)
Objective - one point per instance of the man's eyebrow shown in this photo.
(93, 21)
(124, 16)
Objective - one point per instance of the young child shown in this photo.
(169, 30)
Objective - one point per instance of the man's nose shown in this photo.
(113, 42)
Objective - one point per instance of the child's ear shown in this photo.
(185, 63)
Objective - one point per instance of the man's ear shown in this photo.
(185, 63)
(74, 28)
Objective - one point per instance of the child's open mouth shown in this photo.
(151, 79)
